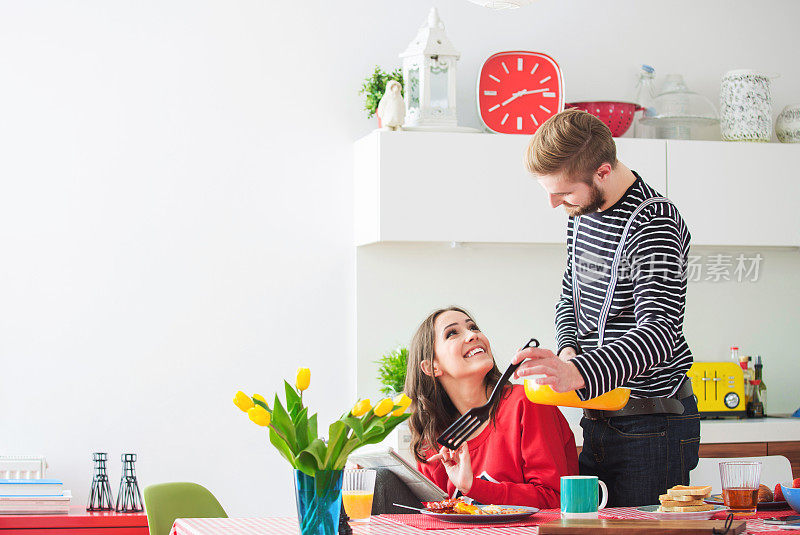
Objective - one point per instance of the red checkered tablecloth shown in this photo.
(288, 526)
(391, 525)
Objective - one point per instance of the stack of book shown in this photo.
(33, 496)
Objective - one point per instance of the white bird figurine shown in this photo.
(392, 108)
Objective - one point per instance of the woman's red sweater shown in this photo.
(520, 458)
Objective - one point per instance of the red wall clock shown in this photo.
(518, 91)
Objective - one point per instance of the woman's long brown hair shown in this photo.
(431, 409)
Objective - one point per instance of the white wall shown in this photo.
(512, 291)
(175, 216)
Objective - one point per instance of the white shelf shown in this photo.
(459, 187)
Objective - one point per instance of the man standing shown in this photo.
(619, 320)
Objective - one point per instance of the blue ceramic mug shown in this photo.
(580, 496)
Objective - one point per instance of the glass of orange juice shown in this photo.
(358, 487)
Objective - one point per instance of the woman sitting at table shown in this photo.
(518, 456)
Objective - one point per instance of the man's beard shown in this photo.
(596, 200)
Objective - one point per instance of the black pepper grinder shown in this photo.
(129, 499)
(344, 527)
(100, 498)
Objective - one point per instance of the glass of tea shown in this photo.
(740, 482)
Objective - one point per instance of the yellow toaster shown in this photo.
(719, 389)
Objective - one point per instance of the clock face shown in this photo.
(518, 91)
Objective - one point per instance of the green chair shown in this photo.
(167, 501)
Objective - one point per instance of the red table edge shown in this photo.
(78, 517)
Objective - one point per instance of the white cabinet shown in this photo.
(434, 187)
(442, 187)
(736, 193)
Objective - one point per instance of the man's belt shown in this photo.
(639, 406)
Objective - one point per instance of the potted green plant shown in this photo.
(374, 86)
(392, 371)
(392, 376)
(318, 463)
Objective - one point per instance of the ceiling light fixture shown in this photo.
(502, 4)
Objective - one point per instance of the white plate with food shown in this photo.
(489, 514)
(459, 510)
(653, 510)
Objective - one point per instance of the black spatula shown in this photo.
(467, 423)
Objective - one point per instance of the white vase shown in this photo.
(787, 125)
(745, 106)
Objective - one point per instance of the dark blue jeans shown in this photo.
(640, 457)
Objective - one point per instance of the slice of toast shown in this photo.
(671, 503)
(679, 498)
(687, 509)
(681, 490)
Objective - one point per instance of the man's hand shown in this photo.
(561, 375)
(567, 354)
(458, 466)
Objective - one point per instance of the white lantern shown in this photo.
(429, 78)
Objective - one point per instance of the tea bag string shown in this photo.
(726, 527)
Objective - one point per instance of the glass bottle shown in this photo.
(644, 96)
(755, 409)
(748, 376)
(762, 386)
(735, 354)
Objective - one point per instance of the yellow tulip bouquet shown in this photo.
(294, 433)
(318, 463)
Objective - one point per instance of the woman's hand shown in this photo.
(458, 466)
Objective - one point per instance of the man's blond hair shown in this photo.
(572, 142)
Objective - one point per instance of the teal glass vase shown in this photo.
(319, 501)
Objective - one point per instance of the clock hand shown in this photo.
(514, 96)
(526, 92)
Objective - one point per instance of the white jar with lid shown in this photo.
(787, 126)
(745, 106)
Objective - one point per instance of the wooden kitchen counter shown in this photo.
(750, 430)
(742, 438)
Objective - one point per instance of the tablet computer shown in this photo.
(422, 487)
